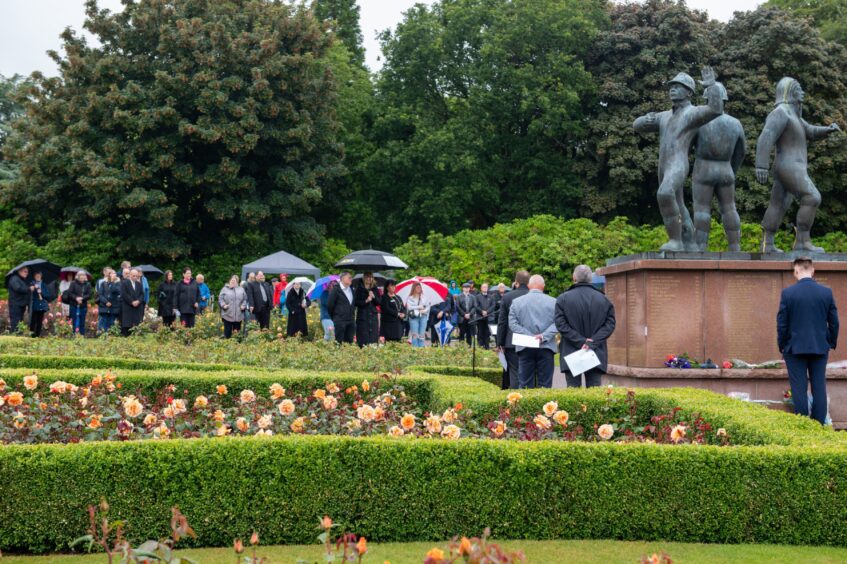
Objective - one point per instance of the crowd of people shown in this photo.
(365, 312)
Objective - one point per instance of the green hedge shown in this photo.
(791, 489)
(490, 375)
(62, 362)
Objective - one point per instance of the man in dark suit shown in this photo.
(132, 298)
(260, 295)
(585, 318)
(807, 327)
(341, 309)
(20, 296)
(504, 335)
(466, 306)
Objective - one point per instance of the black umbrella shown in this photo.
(150, 271)
(49, 271)
(380, 280)
(72, 270)
(371, 260)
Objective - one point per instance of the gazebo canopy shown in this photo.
(281, 263)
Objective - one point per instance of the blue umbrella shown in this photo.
(320, 285)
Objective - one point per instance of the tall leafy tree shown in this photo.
(830, 16)
(197, 127)
(343, 19)
(480, 114)
(10, 109)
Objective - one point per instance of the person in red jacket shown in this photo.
(279, 288)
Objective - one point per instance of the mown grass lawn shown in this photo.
(552, 552)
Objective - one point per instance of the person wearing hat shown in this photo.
(719, 150)
(20, 294)
(677, 128)
(467, 308)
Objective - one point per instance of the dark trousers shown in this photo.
(484, 335)
(36, 322)
(592, 378)
(467, 331)
(803, 369)
(168, 320)
(512, 371)
(187, 320)
(535, 369)
(263, 317)
(229, 326)
(16, 315)
(344, 330)
(125, 331)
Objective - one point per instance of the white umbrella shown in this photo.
(305, 283)
(434, 291)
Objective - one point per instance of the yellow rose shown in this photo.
(396, 431)
(222, 390)
(15, 399)
(433, 424)
(513, 398)
(298, 425)
(366, 386)
(330, 402)
(149, 420)
(561, 417)
(286, 407)
(218, 415)
(247, 396)
(451, 432)
(435, 555)
(498, 428)
(550, 408)
(133, 407)
(677, 433)
(320, 394)
(605, 432)
(541, 422)
(277, 391)
(408, 422)
(31, 382)
(201, 402)
(265, 421)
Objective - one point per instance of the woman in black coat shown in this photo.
(187, 298)
(297, 303)
(80, 293)
(393, 313)
(165, 294)
(366, 298)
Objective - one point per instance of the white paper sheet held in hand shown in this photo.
(581, 361)
(528, 341)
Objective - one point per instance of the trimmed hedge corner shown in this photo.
(785, 483)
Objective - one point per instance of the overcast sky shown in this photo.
(29, 28)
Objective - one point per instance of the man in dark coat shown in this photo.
(466, 306)
(807, 327)
(585, 318)
(504, 335)
(485, 305)
(341, 309)
(366, 297)
(187, 298)
(20, 295)
(132, 302)
(260, 295)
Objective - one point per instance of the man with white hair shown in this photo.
(585, 319)
(533, 315)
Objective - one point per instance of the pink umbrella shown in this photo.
(434, 291)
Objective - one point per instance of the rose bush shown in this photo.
(61, 412)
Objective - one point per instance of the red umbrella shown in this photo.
(433, 290)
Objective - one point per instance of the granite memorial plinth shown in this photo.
(710, 305)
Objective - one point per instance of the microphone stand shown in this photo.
(474, 322)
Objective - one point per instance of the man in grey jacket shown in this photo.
(533, 315)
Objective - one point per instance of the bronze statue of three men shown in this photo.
(720, 145)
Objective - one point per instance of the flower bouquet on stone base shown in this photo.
(681, 361)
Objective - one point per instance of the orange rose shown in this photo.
(286, 407)
(222, 390)
(277, 391)
(222, 431)
(605, 432)
(408, 422)
(550, 408)
(449, 416)
(15, 399)
(330, 402)
(433, 424)
(451, 432)
(58, 387)
(242, 425)
(149, 420)
(247, 396)
(465, 547)
(513, 398)
(365, 413)
(31, 382)
(498, 428)
(332, 388)
(168, 412)
(541, 422)
(298, 425)
(97, 380)
(109, 376)
(677, 433)
(320, 394)
(561, 417)
(201, 402)
(133, 407)
(265, 421)
(396, 431)
(218, 415)
(366, 386)
(362, 546)
(2, 384)
(20, 421)
(435, 555)
(94, 422)
(379, 413)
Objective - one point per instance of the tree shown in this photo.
(830, 16)
(10, 109)
(198, 127)
(480, 114)
(343, 19)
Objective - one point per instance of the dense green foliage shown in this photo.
(422, 489)
(342, 16)
(828, 15)
(196, 127)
